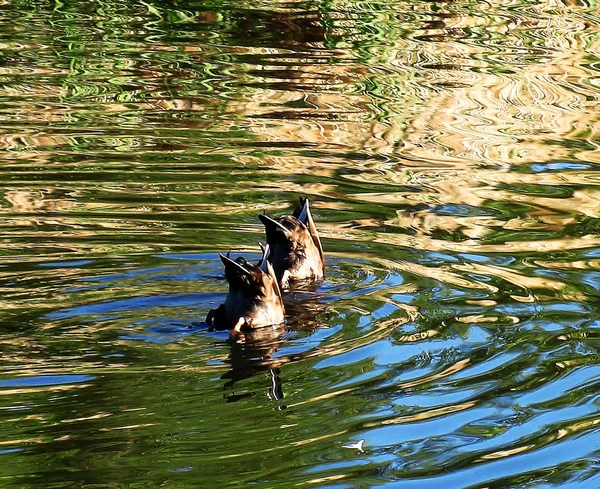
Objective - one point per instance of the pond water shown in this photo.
(451, 154)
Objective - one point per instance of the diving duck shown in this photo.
(296, 251)
(254, 298)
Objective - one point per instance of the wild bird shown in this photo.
(254, 297)
(296, 250)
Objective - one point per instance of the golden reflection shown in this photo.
(425, 415)
(575, 265)
(478, 318)
(452, 369)
(482, 303)
(423, 335)
(46, 388)
(35, 200)
(30, 417)
(21, 442)
(50, 366)
(22, 145)
(86, 418)
(474, 246)
(322, 397)
(438, 273)
(505, 453)
(577, 427)
(128, 427)
(532, 283)
(288, 445)
(319, 480)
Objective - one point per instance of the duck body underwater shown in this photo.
(254, 298)
(296, 250)
(293, 254)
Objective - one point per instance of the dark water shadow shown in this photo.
(252, 353)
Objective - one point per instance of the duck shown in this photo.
(254, 298)
(296, 250)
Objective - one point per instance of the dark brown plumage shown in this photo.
(254, 298)
(296, 251)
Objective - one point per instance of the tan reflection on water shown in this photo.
(505, 453)
(449, 114)
(496, 118)
(35, 200)
(457, 120)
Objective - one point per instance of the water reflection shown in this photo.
(450, 152)
(304, 306)
(253, 353)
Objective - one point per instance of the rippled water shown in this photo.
(451, 152)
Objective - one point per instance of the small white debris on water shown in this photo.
(358, 445)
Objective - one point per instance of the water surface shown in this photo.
(450, 150)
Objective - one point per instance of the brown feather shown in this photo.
(254, 298)
(296, 250)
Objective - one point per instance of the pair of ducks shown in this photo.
(293, 253)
